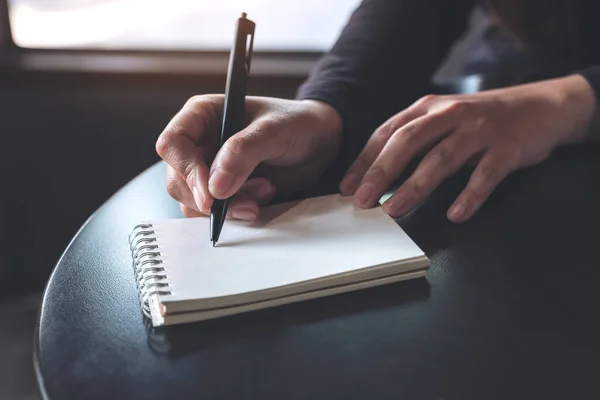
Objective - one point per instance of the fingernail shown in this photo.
(244, 213)
(363, 194)
(220, 181)
(198, 198)
(396, 205)
(458, 211)
(349, 183)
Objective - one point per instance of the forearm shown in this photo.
(592, 77)
(384, 57)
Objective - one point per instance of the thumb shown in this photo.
(241, 154)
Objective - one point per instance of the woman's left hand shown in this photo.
(505, 129)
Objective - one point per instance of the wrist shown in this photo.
(577, 103)
(327, 119)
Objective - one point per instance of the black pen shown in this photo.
(233, 108)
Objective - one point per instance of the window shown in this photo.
(282, 25)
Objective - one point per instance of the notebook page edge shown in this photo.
(188, 317)
(345, 278)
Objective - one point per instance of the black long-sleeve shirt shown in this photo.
(389, 50)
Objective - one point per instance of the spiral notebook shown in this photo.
(296, 251)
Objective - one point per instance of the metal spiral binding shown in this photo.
(150, 275)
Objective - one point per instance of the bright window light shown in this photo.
(282, 25)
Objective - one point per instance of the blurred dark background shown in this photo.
(86, 87)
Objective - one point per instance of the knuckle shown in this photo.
(517, 153)
(458, 107)
(202, 108)
(263, 132)
(512, 153)
(416, 187)
(189, 174)
(375, 174)
(267, 130)
(442, 155)
(268, 125)
(405, 135)
(238, 145)
(382, 135)
(162, 145)
(173, 191)
(387, 130)
(427, 100)
(413, 188)
(172, 188)
(489, 172)
(475, 196)
(197, 101)
(483, 125)
(358, 166)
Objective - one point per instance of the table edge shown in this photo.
(37, 362)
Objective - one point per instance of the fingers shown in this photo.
(245, 204)
(179, 190)
(399, 150)
(178, 145)
(242, 153)
(442, 161)
(492, 169)
(190, 212)
(375, 145)
(261, 190)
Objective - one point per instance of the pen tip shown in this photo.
(244, 15)
(214, 243)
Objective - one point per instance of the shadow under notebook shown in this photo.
(182, 340)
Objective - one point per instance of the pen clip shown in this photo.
(249, 46)
(246, 28)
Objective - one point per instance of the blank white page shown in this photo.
(308, 240)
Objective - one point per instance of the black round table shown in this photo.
(510, 309)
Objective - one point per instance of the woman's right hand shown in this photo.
(286, 145)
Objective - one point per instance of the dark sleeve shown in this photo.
(592, 75)
(384, 60)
